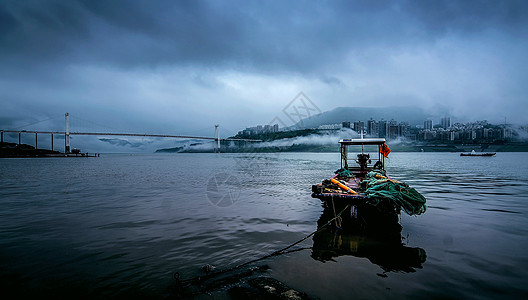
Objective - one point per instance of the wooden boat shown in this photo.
(473, 153)
(365, 189)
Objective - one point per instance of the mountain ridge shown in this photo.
(413, 115)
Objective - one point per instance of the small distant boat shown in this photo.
(473, 153)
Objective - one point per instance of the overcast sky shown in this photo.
(182, 66)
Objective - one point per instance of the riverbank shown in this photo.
(13, 150)
(23, 150)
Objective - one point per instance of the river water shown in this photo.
(120, 226)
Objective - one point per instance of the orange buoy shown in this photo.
(343, 187)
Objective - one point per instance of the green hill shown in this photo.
(412, 115)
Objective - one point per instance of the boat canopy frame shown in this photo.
(345, 143)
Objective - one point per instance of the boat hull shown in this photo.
(365, 215)
(477, 154)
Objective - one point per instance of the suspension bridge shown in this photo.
(67, 133)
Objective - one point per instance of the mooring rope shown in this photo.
(338, 220)
(276, 253)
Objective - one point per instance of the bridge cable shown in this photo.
(36, 122)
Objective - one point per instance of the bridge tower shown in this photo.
(67, 134)
(217, 138)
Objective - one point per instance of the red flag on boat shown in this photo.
(384, 149)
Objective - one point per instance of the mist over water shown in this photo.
(121, 225)
(327, 138)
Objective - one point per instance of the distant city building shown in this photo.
(394, 131)
(404, 129)
(472, 132)
(479, 131)
(359, 126)
(428, 125)
(427, 135)
(445, 122)
(507, 133)
(390, 129)
(383, 129)
(372, 128)
(268, 128)
(259, 129)
(330, 126)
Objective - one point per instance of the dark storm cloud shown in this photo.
(123, 33)
(177, 65)
(284, 36)
(470, 16)
(39, 30)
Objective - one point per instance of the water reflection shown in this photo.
(381, 247)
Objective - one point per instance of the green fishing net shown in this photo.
(343, 172)
(380, 189)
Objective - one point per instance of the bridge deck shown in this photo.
(129, 134)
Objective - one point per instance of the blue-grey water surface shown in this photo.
(121, 225)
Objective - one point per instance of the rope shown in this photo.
(337, 219)
(176, 275)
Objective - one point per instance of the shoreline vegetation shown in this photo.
(14, 150)
(24, 150)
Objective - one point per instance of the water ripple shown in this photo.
(123, 224)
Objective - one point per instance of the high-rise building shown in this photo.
(359, 126)
(372, 128)
(428, 125)
(404, 129)
(394, 132)
(445, 122)
(346, 124)
(259, 129)
(383, 129)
